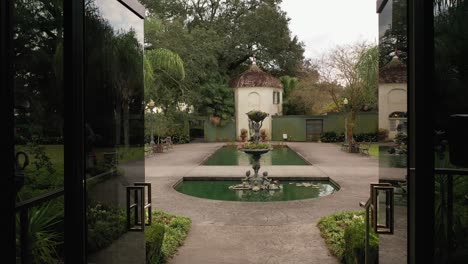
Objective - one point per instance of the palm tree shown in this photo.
(163, 69)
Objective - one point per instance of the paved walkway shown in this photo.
(255, 232)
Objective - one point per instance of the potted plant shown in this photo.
(257, 116)
(263, 134)
(215, 120)
(243, 134)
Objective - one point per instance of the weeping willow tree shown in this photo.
(367, 68)
(356, 68)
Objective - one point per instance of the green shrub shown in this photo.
(154, 241)
(176, 230)
(366, 137)
(105, 225)
(331, 136)
(354, 239)
(343, 246)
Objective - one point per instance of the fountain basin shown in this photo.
(256, 151)
(292, 189)
(279, 155)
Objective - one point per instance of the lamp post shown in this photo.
(151, 106)
(345, 103)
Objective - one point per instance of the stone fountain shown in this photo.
(255, 181)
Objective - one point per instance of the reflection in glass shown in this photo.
(451, 91)
(38, 46)
(393, 92)
(38, 93)
(114, 128)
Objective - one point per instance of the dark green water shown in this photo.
(388, 160)
(232, 157)
(219, 190)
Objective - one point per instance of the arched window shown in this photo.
(253, 101)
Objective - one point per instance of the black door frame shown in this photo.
(420, 131)
(74, 141)
(421, 160)
(7, 194)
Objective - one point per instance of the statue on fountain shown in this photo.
(256, 182)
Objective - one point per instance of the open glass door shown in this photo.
(37, 100)
(38, 114)
(437, 223)
(393, 93)
(114, 128)
(450, 119)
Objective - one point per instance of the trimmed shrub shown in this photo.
(176, 230)
(331, 136)
(355, 245)
(366, 137)
(154, 241)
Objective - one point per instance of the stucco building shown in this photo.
(255, 89)
(393, 96)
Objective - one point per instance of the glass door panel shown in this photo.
(38, 127)
(114, 129)
(393, 93)
(451, 127)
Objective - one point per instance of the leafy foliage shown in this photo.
(331, 136)
(356, 67)
(154, 240)
(252, 145)
(354, 241)
(176, 230)
(341, 234)
(216, 38)
(105, 224)
(396, 36)
(257, 116)
(217, 100)
(43, 234)
(167, 72)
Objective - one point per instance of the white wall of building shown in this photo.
(392, 98)
(256, 98)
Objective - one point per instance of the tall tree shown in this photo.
(356, 68)
(167, 72)
(216, 38)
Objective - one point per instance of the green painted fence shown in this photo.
(295, 126)
(223, 133)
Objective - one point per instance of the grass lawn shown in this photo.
(374, 150)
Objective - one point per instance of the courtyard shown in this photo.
(265, 232)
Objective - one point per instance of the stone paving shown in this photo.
(255, 232)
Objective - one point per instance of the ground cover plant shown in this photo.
(344, 235)
(105, 225)
(176, 229)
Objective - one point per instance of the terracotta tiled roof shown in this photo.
(394, 72)
(255, 77)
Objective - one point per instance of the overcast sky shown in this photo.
(322, 24)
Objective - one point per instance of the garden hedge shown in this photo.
(154, 241)
(354, 250)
